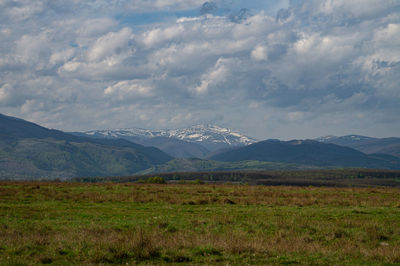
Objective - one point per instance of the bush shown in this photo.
(198, 182)
(156, 180)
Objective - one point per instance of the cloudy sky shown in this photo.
(270, 69)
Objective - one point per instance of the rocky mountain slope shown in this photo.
(196, 141)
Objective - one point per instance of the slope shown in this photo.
(29, 151)
(365, 144)
(307, 152)
(171, 146)
(211, 137)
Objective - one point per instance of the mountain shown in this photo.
(365, 144)
(13, 128)
(210, 137)
(307, 152)
(173, 147)
(30, 151)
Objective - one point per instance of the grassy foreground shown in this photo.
(64, 223)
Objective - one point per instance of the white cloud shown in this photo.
(126, 88)
(388, 36)
(110, 44)
(33, 50)
(217, 75)
(259, 53)
(314, 46)
(155, 36)
(60, 57)
(4, 91)
(96, 27)
(313, 63)
(295, 116)
(26, 11)
(151, 5)
(356, 7)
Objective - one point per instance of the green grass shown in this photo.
(76, 223)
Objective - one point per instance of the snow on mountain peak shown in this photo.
(325, 138)
(198, 133)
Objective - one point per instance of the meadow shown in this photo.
(128, 223)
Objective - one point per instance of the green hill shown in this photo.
(307, 152)
(29, 151)
(365, 144)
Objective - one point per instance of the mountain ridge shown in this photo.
(307, 152)
(30, 151)
(368, 145)
(196, 133)
(195, 141)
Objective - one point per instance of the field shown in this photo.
(126, 223)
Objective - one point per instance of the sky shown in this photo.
(269, 69)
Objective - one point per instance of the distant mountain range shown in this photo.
(30, 151)
(307, 152)
(193, 142)
(365, 144)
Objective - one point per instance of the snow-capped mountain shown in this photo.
(210, 136)
(326, 138)
(343, 139)
(366, 144)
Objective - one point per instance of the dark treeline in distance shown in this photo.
(334, 177)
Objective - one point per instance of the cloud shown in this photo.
(96, 27)
(271, 69)
(259, 53)
(33, 50)
(215, 76)
(25, 10)
(151, 5)
(358, 8)
(4, 93)
(152, 37)
(208, 7)
(125, 88)
(110, 45)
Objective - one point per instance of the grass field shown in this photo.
(106, 223)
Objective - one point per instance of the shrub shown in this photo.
(198, 182)
(156, 180)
